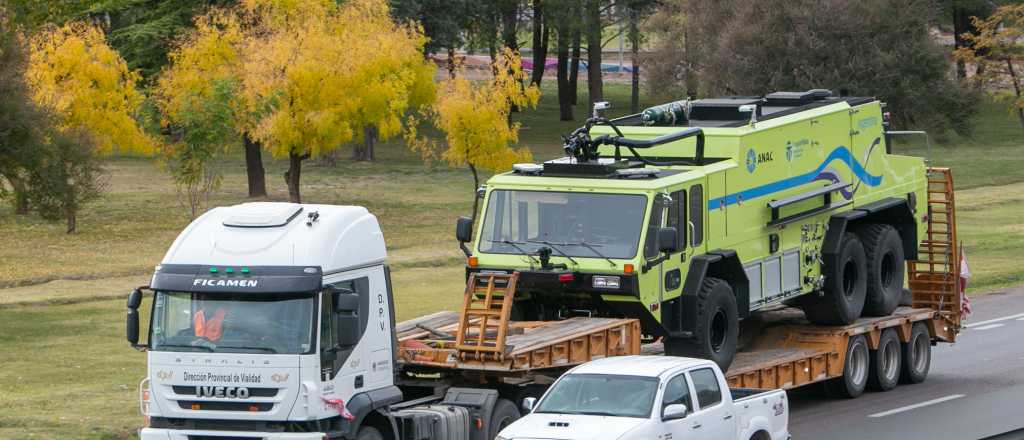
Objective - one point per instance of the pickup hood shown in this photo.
(550, 426)
(206, 385)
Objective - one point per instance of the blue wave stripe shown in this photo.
(840, 153)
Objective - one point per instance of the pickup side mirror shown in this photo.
(528, 403)
(668, 240)
(673, 412)
(464, 229)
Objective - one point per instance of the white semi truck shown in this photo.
(275, 321)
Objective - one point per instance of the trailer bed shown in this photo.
(430, 341)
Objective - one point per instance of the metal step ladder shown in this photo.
(483, 323)
(934, 278)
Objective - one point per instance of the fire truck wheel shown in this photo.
(884, 251)
(717, 327)
(845, 287)
(917, 355)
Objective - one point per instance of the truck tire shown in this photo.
(845, 287)
(717, 326)
(885, 268)
(369, 433)
(886, 362)
(917, 355)
(855, 371)
(505, 412)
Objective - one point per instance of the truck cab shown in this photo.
(643, 397)
(273, 318)
(691, 223)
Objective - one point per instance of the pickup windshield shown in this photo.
(233, 322)
(601, 395)
(574, 224)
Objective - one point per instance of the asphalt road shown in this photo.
(975, 388)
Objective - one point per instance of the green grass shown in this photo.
(67, 372)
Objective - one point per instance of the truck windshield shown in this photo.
(233, 322)
(573, 224)
(601, 395)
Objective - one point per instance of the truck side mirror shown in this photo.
(464, 229)
(345, 301)
(674, 411)
(528, 403)
(132, 320)
(668, 240)
(346, 310)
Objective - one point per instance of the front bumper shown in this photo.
(183, 434)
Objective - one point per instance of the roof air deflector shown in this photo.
(262, 215)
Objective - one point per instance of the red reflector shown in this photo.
(565, 278)
(479, 423)
(254, 408)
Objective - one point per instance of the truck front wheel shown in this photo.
(845, 287)
(369, 433)
(717, 326)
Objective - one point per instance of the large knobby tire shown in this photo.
(855, 370)
(886, 268)
(845, 287)
(886, 362)
(505, 412)
(717, 326)
(917, 355)
(369, 433)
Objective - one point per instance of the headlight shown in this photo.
(605, 282)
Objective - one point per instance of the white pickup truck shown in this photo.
(651, 397)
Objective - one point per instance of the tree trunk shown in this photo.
(254, 167)
(293, 175)
(961, 23)
(574, 66)
(71, 211)
(20, 191)
(364, 152)
(541, 34)
(476, 200)
(509, 20)
(1016, 88)
(634, 42)
(562, 76)
(451, 62)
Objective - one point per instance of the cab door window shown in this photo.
(677, 217)
(333, 357)
(705, 384)
(677, 391)
(651, 243)
(697, 214)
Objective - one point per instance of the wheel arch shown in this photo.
(896, 212)
(679, 315)
(367, 409)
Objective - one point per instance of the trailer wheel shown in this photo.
(845, 287)
(917, 355)
(505, 412)
(369, 433)
(885, 268)
(886, 362)
(717, 327)
(855, 370)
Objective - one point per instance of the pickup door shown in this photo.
(712, 410)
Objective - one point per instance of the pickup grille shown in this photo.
(213, 437)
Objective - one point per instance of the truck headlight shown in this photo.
(605, 282)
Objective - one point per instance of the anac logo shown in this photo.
(754, 158)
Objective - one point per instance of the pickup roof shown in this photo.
(647, 397)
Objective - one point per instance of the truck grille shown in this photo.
(206, 405)
(185, 390)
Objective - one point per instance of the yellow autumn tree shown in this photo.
(321, 72)
(75, 75)
(998, 51)
(475, 120)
